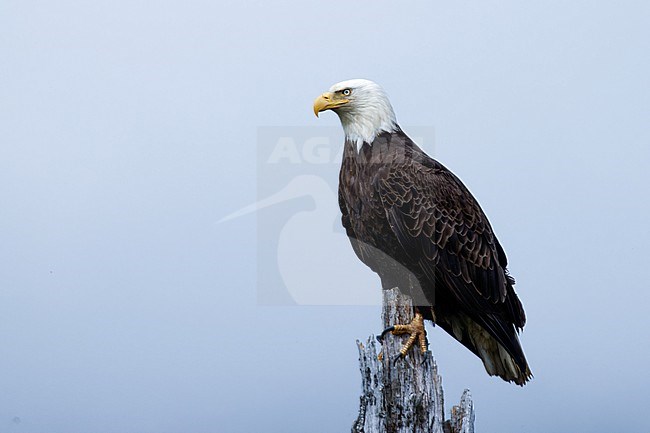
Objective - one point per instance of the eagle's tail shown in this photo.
(508, 363)
(497, 360)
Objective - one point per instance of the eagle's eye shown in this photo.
(346, 92)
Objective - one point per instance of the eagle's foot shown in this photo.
(416, 331)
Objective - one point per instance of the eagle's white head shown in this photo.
(362, 106)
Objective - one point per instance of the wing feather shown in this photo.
(441, 226)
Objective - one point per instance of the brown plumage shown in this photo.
(407, 215)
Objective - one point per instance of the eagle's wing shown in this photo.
(442, 229)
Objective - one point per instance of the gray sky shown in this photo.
(128, 129)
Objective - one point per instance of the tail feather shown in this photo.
(510, 365)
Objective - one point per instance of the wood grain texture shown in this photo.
(404, 396)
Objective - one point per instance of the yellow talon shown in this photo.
(416, 331)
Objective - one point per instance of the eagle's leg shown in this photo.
(416, 331)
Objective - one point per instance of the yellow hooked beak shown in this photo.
(328, 101)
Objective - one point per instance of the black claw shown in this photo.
(385, 331)
(397, 358)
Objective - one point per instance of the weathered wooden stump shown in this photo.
(404, 396)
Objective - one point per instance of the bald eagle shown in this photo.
(411, 219)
